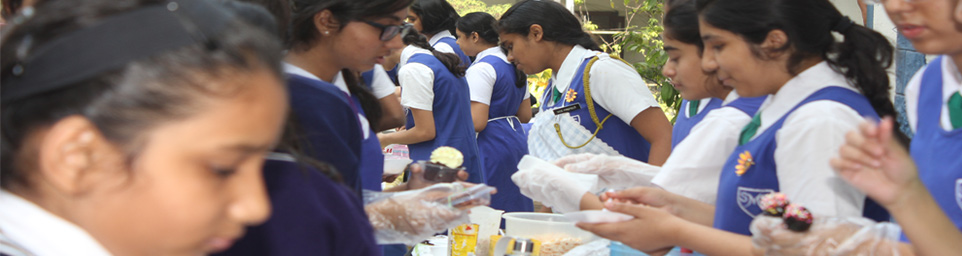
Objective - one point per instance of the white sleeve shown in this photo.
(809, 138)
(618, 88)
(443, 47)
(417, 86)
(381, 83)
(527, 93)
(694, 166)
(481, 78)
(912, 98)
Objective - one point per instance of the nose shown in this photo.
(668, 70)
(893, 7)
(251, 205)
(708, 63)
(511, 57)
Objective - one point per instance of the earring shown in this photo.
(327, 32)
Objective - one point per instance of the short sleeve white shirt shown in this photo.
(616, 86)
(441, 47)
(417, 81)
(381, 84)
(951, 84)
(40, 232)
(481, 76)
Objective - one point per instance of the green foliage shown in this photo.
(468, 6)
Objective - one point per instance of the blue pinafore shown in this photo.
(502, 143)
(738, 193)
(936, 151)
(465, 60)
(372, 158)
(452, 118)
(684, 123)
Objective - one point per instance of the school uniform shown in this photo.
(28, 229)
(690, 114)
(695, 164)
(502, 143)
(445, 42)
(310, 215)
(937, 143)
(371, 166)
(329, 122)
(798, 130)
(566, 125)
(426, 84)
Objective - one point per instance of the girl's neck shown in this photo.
(312, 61)
(721, 93)
(561, 53)
(957, 59)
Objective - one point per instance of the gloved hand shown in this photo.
(412, 216)
(552, 186)
(614, 172)
(827, 236)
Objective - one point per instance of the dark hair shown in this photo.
(681, 23)
(10, 8)
(558, 23)
(436, 16)
(482, 23)
(281, 10)
(124, 102)
(862, 57)
(304, 34)
(450, 60)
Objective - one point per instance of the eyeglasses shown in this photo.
(886, 1)
(388, 31)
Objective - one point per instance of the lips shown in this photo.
(911, 31)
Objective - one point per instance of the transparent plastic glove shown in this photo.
(827, 236)
(412, 216)
(552, 186)
(614, 172)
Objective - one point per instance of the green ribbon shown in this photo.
(693, 108)
(955, 110)
(749, 131)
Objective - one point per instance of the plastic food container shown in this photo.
(394, 166)
(556, 233)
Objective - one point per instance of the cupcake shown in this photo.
(773, 204)
(797, 218)
(444, 165)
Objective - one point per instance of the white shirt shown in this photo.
(809, 137)
(703, 104)
(417, 81)
(481, 76)
(340, 84)
(694, 166)
(441, 47)
(616, 86)
(951, 84)
(381, 84)
(42, 233)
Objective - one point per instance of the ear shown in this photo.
(775, 40)
(325, 23)
(66, 154)
(474, 37)
(535, 33)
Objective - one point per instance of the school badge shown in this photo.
(748, 199)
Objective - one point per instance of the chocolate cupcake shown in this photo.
(797, 218)
(444, 165)
(773, 204)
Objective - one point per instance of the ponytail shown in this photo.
(864, 56)
(558, 24)
(451, 61)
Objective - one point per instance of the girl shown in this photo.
(792, 55)
(154, 149)
(436, 19)
(435, 92)
(605, 108)
(499, 105)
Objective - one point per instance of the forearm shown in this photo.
(711, 241)
(659, 152)
(407, 137)
(591, 202)
(393, 113)
(695, 211)
(924, 223)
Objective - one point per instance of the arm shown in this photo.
(654, 126)
(422, 131)
(393, 113)
(479, 115)
(524, 111)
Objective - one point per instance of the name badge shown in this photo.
(567, 109)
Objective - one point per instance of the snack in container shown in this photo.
(444, 165)
(464, 239)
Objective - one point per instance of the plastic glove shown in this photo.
(614, 172)
(827, 236)
(412, 216)
(553, 187)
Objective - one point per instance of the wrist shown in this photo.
(913, 194)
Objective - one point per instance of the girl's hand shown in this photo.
(651, 230)
(873, 162)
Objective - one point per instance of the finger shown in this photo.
(637, 210)
(857, 156)
(868, 131)
(463, 175)
(885, 130)
(577, 158)
(845, 168)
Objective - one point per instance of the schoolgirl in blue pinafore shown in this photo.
(684, 122)
(937, 152)
(452, 118)
(739, 191)
(617, 134)
(503, 141)
(371, 167)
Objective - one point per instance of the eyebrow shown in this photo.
(247, 148)
(707, 37)
(669, 48)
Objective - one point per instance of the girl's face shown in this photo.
(929, 25)
(732, 60)
(524, 51)
(684, 70)
(358, 45)
(415, 21)
(469, 43)
(194, 184)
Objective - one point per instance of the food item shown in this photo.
(773, 204)
(447, 156)
(464, 239)
(797, 218)
(558, 247)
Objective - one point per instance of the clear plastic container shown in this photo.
(556, 233)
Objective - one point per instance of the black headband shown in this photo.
(112, 44)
